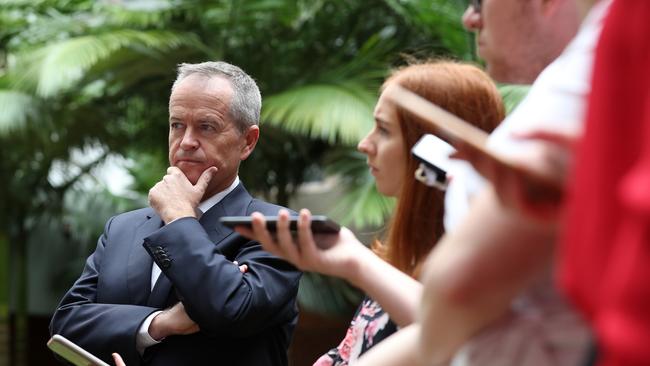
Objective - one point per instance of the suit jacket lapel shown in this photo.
(234, 204)
(138, 269)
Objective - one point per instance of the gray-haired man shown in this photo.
(161, 287)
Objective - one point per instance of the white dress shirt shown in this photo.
(144, 339)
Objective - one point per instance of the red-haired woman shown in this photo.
(387, 272)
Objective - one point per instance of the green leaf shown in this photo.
(61, 65)
(441, 20)
(17, 109)
(364, 206)
(333, 112)
(512, 95)
(361, 205)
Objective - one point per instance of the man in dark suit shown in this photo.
(161, 287)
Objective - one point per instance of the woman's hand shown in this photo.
(330, 254)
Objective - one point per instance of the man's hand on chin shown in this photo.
(175, 196)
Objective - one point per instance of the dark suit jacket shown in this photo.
(245, 319)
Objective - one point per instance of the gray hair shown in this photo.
(246, 100)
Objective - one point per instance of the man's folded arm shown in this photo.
(98, 328)
(216, 295)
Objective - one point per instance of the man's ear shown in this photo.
(251, 135)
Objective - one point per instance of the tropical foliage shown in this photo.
(82, 80)
(319, 64)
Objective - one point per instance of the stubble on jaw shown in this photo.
(522, 51)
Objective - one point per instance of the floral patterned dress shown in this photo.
(370, 325)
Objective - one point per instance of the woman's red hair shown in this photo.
(469, 93)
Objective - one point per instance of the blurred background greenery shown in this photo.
(84, 86)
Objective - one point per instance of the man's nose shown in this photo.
(189, 141)
(472, 19)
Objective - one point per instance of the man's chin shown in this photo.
(192, 174)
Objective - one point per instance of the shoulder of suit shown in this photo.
(144, 213)
(265, 208)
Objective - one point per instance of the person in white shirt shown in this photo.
(494, 255)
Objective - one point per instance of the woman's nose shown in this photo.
(365, 145)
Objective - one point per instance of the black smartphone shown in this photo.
(319, 224)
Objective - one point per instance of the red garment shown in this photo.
(605, 254)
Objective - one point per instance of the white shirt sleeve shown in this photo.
(143, 339)
(464, 185)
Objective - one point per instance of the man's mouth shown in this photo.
(187, 161)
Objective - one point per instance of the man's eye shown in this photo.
(208, 127)
(175, 125)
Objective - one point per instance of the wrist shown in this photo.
(157, 329)
(174, 215)
(355, 266)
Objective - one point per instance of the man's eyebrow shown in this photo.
(209, 118)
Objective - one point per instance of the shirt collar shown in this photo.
(216, 198)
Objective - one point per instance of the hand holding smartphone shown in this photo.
(319, 224)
